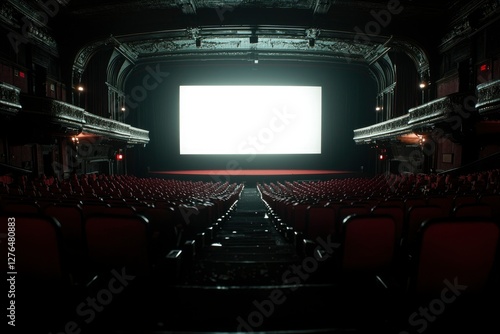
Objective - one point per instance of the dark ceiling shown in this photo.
(93, 19)
(359, 32)
(151, 20)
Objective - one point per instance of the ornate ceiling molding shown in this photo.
(7, 13)
(322, 6)
(187, 6)
(29, 24)
(416, 53)
(192, 6)
(469, 19)
(234, 40)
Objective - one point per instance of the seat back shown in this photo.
(299, 216)
(70, 216)
(455, 249)
(20, 207)
(473, 210)
(320, 222)
(38, 247)
(115, 241)
(493, 200)
(444, 202)
(163, 230)
(464, 199)
(347, 210)
(368, 243)
(416, 216)
(396, 212)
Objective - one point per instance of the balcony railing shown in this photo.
(488, 97)
(383, 130)
(10, 100)
(79, 120)
(420, 117)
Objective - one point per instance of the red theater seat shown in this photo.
(473, 210)
(320, 222)
(396, 212)
(493, 200)
(347, 210)
(416, 216)
(70, 217)
(44, 286)
(299, 216)
(445, 202)
(455, 249)
(116, 241)
(368, 244)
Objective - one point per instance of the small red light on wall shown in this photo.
(381, 157)
(22, 74)
(119, 156)
(483, 68)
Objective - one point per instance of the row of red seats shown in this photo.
(164, 224)
(417, 240)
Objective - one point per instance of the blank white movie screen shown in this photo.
(250, 119)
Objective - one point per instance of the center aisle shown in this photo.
(246, 250)
(246, 278)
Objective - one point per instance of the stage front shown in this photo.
(252, 176)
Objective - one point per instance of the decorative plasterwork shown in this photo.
(383, 130)
(322, 6)
(434, 110)
(113, 129)
(7, 13)
(53, 110)
(105, 126)
(124, 50)
(272, 40)
(279, 43)
(488, 97)
(31, 23)
(192, 6)
(43, 36)
(187, 6)
(418, 118)
(84, 55)
(29, 12)
(460, 29)
(138, 136)
(9, 98)
(417, 54)
(70, 116)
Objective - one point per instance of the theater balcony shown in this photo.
(488, 99)
(443, 113)
(9, 99)
(66, 119)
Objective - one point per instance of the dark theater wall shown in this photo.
(347, 103)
